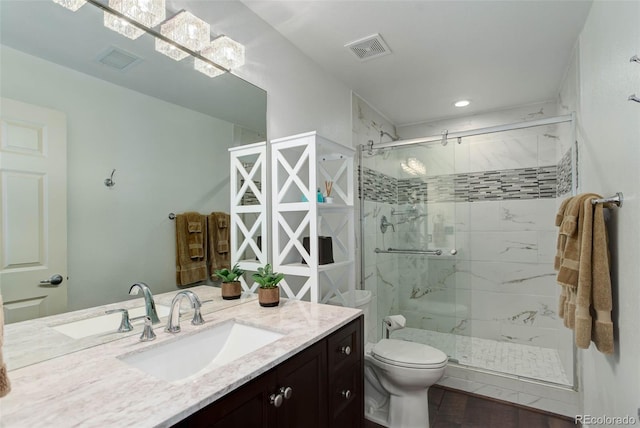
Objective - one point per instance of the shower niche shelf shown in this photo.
(301, 165)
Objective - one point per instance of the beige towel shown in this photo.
(5, 385)
(219, 254)
(196, 225)
(189, 270)
(583, 273)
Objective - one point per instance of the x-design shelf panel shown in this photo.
(301, 164)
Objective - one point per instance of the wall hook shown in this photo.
(109, 181)
(633, 98)
(634, 59)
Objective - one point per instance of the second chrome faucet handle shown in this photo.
(147, 333)
(125, 323)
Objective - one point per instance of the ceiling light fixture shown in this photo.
(146, 12)
(224, 51)
(462, 103)
(71, 4)
(186, 30)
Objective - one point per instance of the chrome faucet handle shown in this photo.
(125, 323)
(147, 333)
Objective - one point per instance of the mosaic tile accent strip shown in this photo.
(379, 187)
(565, 177)
(522, 183)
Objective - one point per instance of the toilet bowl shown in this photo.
(398, 375)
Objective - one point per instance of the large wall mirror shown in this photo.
(162, 126)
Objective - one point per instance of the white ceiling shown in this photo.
(498, 54)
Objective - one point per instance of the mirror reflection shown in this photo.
(145, 136)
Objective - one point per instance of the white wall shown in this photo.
(609, 143)
(301, 96)
(167, 159)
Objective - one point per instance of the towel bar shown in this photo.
(616, 200)
(172, 216)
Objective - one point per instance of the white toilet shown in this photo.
(398, 375)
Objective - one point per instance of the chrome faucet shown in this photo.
(173, 324)
(149, 303)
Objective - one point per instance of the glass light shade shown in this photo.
(226, 52)
(71, 4)
(223, 51)
(206, 68)
(147, 12)
(185, 29)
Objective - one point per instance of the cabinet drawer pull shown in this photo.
(346, 394)
(346, 350)
(276, 400)
(286, 392)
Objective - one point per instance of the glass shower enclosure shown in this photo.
(459, 238)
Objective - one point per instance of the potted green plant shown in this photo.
(269, 292)
(231, 287)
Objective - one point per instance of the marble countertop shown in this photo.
(20, 349)
(94, 388)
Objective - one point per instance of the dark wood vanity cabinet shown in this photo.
(321, 386)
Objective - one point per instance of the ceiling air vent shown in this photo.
(370, 47)
(117, 58)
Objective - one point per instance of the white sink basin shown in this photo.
(107, 323)
(192, 355)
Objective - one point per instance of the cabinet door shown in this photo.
(305, 375)
(246, 407)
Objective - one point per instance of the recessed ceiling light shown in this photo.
(462, 103)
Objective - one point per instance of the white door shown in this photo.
(33, 210)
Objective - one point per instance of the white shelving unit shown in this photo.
(300, 165)
(249, 209)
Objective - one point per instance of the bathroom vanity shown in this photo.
(311, 374)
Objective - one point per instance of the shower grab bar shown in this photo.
(437, 252)
(407, 211)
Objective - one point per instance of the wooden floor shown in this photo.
(450, 408)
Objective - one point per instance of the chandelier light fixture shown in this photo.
(223, 51)
(181, 36)
(71, 4)
(186, 30)
(146, 12)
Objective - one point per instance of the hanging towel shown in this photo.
(219, 254)
(582, 262)
(5, 385)
(189, 269)
(195, 226)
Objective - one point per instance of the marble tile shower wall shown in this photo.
(501, 284)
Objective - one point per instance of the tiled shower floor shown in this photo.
(511, 358)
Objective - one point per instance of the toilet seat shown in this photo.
(407, 354)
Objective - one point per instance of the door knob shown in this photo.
(54, 280)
